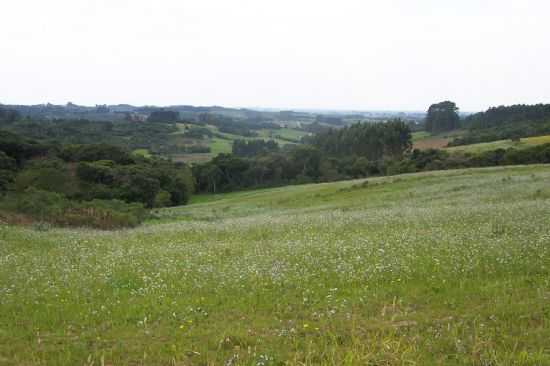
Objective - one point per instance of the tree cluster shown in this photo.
(504, 115)
(373, 141)
(88, 173)
(8, 115)
(249, 148)
(442, 117)
(163, 116)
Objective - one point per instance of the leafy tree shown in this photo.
(7, 162)
(442, 117)
(371, 140)
(136, 185)
(198, 133)
(100, 172)
(50, 175)
(250, 148)
(96, 152)
(163, 116)
(19, 148)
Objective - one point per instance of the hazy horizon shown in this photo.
(326, 55)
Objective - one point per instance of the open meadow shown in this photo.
(439, 268)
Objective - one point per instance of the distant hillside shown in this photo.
(104, 112)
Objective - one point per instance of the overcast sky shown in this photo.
(337, 54)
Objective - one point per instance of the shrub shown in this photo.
(96, 152)
(48, 175)
(54, 208)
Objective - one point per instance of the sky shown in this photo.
(319, 54)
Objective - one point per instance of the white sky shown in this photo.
(330, 54)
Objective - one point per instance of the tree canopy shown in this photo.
(442, 117)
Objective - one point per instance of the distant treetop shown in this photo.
(442, 117)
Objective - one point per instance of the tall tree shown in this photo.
(442, 117)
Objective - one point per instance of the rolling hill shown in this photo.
(432, 268)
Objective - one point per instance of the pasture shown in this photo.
(424, 140)
(438, 268)
(501, 144)
(222, 142)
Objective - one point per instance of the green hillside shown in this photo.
(433, 268)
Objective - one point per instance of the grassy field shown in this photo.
(439, 268)
(142, 152)
(424, 140)
(420, 135)
(501, 144)
(224, 142)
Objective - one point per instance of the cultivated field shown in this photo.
(425, 140)
(448, 268)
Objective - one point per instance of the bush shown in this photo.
(54, 208)
(48, 175)
(96, 152)
(7, 162)
(162, 199)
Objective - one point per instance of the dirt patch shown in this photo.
(431, 143)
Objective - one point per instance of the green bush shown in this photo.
(49, 175)
(54, 208)
(7, 162)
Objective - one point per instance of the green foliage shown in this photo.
(7, 162)
(371, 140)
(198, 133)
(163, 116)
(56, 209)
(100, 172)
(442, 117)
(72, 178)
(249, 148)
(95, 152)
(432, 159)
(229, 125)
(51, 175)
(19, 148)
(6, 179)
(156, 137)
(162, 199)
(511, 131)
(505, 122)
(505, 115)
(8, 115)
